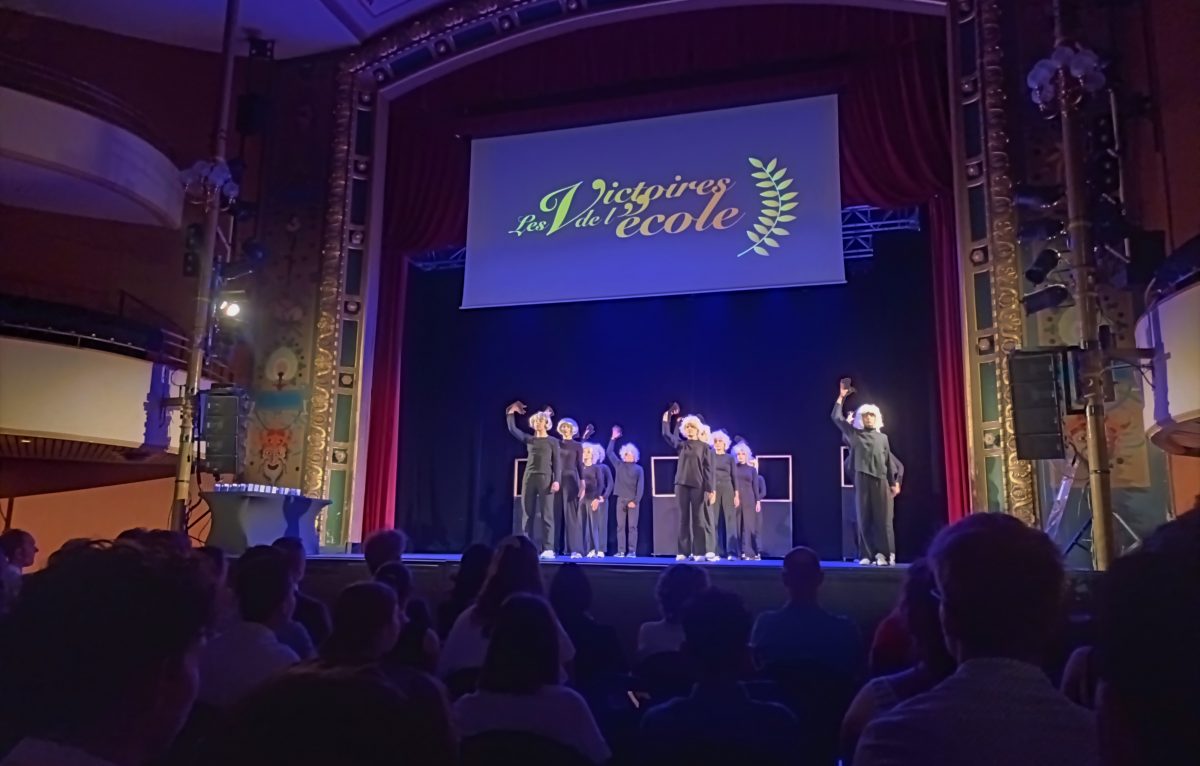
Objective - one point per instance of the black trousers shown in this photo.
(751, 526)
(572, 515)
(537, 510)
(873, 506)
(695, 529)
(627, 525)
(731, 545)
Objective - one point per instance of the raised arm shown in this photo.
(611, 452)
(839, 420)
(671, 437)
(518, 434)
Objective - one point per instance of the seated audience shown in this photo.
(891, 646)
(18, 550)
(249, 651)
(310, 612)
(383, 547)
(366, 622)
(514, 569)
(1001, 586)
(1147, 659)
(676, 586)
(293, 635)
(468, 579)
(519, 689)
(719, 722)
(802, 634)
(157, 538)
(919, 610)
(98, 659)
(337, 717)
(597, 649)
(417, 645)
(217, 564)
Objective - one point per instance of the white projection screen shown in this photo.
(732, 199)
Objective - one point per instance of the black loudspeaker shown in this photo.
(223, 430)
(251, 114)
(1037, 404)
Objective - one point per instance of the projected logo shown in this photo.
(677, 207)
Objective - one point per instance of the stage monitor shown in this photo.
(732, 199)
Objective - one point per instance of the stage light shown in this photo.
(1041, 229)
(230, 309)
(1043, 264)
(1045, 298)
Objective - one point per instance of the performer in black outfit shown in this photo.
(723, 505)
(571, 452)
(594, 490)
(629, 488)
(543, 471)
(877, 477)
(748, 499)
(693, 486)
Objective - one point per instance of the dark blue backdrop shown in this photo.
(761, 364)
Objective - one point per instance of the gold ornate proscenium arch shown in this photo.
(425, 47)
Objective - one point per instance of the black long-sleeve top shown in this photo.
(596, 481)
(630, 477)
(606, 480)
(541, 450)
(695, 460)
(723, 469)
(571, 452)
(746, 481)
(870, 450)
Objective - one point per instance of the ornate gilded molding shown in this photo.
(1005, 257)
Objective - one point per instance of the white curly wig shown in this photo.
(630, 449)
(720, 436)
(868, 408)
(570, 422)
(541, 415)
(741, 447)
(597, 452)
(693, 421)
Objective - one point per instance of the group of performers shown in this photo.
(719, 479)
(715, 480)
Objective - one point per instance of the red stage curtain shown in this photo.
(888, 69)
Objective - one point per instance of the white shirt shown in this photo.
(41, 752)
(553, 712)
(466, 646)
(242, 657)
(990, 712)
(659, 636)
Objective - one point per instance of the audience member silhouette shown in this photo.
(677, 584)
(468, 579)
(383, 547)
(597, 650)
(417, 646)
(310, 612)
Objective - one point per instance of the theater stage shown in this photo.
(624, 588)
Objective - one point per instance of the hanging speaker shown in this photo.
(223, 429)
(1037, 404)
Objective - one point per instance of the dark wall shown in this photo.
(761, 364)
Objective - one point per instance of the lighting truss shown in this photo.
(860, 224)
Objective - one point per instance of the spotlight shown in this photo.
(1041, 229)
(1045, 298)
(1042, 265)
(230, 308)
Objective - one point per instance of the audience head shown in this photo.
(104, 645)
(472, 571)
(397, 577)
(366, 624)
(1001, 586)
(384, 547)
(716, 632)
(263, 584)
(157, 538)
(19, 547)
(802, 575)
(522, 655)
(919, 607)
(363, 720)
(675, 586)
(570, 591)
(1148, 699)
(514, 569)
(293, 548)
(216, 561)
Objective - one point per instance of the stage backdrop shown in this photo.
(763, 365)
(728, 199)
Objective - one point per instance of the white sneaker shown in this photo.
(892, 560)
(880, 560)
(547, 554)
(591, 554)
(697, 557)
(599, 554)
(576, 555)
(618, 555)
(680, 557)
(730, 557)
(864, 562)
(711, 557)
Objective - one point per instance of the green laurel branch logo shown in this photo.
(775, 204)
